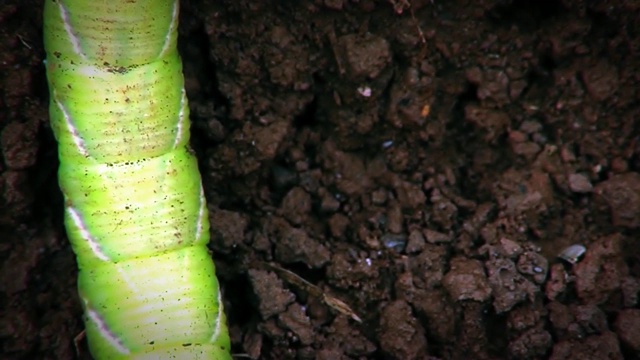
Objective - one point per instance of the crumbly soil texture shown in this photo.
(386, 179)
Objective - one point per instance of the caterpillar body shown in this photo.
(135, 210)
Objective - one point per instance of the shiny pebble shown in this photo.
(396, 242)
(573, 253)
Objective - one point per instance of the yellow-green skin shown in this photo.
(135, 211)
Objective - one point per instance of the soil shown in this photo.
(422, 163)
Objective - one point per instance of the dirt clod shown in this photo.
(534, 342)
(508, 286)
(580, 183)
(627, 326)
(227, 228)
(358, 51)
(467, 280)
(296, 205)
(18, 144)
(603, 346)
(295, 245)
(622, 195)
(273, 298)
(601, 80)
(401, 336)
(297, 321)
(601, 271)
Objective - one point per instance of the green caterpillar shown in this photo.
(135, 210)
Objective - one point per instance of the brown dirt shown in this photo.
(422, 161)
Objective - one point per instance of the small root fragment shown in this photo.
(314, 290)
(77, 340)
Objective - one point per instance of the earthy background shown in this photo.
(423, 162)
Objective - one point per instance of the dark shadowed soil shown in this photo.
(420, 162)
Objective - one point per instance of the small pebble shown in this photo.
(572, 254)
(387, 144)
(364, 91)
(396, 242)
(435, 237)
(510, 248)
(416, 242)
(579, 183)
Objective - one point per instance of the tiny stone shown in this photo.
(517, 136)
(416, 242)
(368, 238)
(435, 237)
(530, 127)
(333, 4)
(379, 197)
(510, 248)
(396, 242)
(619, 165)
(338, 224)
(302, 166)
(216, 129)
(539, 138)
(572, 253)
(527, 149)
(557, 282)
(580, 183)
(567, 155)
(394, 216)
(329, 203)
(296, 204)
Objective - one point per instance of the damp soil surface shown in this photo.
(386, 179)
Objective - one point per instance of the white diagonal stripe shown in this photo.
(77, 139)
(171, 29)
(70, 33)
(84, 232)
(201, 213)
(104, 330)
(182, 119)
(217, 325)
